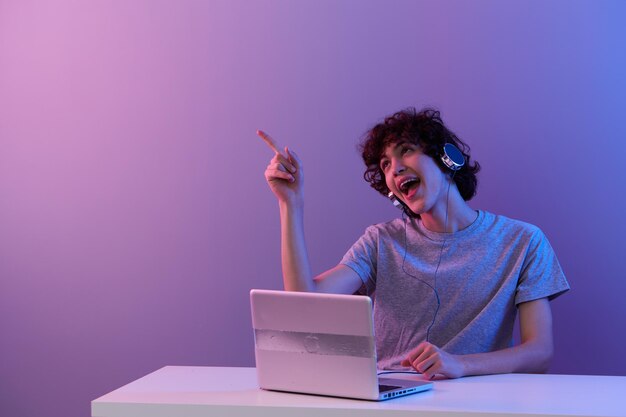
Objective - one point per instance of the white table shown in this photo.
(182, 391)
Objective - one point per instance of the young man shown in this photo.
(447, 280)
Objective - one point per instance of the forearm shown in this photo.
(294, 256)
(529, 357)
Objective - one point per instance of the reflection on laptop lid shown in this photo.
(320, 344)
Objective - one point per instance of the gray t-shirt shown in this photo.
(486, 270)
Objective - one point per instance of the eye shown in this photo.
(405, 149)
(384, 164)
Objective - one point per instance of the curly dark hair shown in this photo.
(424, 129)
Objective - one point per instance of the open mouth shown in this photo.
(408, 186)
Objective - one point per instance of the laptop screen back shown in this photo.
(314, 343)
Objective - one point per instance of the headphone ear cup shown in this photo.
(452, 157)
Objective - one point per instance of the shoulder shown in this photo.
(513, 233)
(390, 228)
(497, 223)
(378, 238)
(383, 233)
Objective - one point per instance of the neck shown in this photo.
(459, 215)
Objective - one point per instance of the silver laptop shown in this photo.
(320, 344)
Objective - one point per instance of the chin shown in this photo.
(416, 208)
(416, 212)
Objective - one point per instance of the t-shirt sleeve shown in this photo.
(362, 258)
(541, 274)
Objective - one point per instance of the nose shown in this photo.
(397, 167)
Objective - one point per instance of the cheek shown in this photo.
(390, 185)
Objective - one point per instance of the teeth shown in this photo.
(404, 184)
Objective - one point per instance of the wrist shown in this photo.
(291, 204)
(464, 365)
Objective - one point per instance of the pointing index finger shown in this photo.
(268, 139)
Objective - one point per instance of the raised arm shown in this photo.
(285, 176)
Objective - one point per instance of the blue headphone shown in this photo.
(451, 157)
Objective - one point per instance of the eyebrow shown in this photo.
(395, 145)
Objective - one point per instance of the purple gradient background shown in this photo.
(134, 217)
